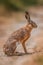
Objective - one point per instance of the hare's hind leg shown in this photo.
(24, 47)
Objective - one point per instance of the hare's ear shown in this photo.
(27, 16)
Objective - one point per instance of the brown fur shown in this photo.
(19, 36)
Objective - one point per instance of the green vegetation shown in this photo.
(29, 2)
(10, 4)
(19, 4)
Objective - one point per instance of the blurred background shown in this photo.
(12, 17)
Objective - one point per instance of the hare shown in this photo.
(19, 36)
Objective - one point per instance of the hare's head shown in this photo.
(27, 16)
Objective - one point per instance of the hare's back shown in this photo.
(20, 34)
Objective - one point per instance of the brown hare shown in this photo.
(19, 36)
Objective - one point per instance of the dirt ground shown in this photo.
(8, 24)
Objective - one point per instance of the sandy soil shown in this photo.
(35, 43)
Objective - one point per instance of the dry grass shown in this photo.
(39, 59)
